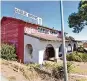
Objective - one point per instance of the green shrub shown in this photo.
(84, 57)
(69, 67)
(81, 49)
(8, 52)
(51, 65)
(33, 65)
(77, 56)
(58, 72)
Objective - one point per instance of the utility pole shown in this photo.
(63, 42)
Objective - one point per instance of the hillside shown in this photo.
(15, 71)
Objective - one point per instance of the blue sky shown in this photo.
(49, 11)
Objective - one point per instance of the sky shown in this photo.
(49, 11)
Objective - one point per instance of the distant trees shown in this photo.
(69, 38)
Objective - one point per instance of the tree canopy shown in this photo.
(78, 20)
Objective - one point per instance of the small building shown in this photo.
(33, 42)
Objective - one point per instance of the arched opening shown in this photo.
(60, 50)
(74, 47)
(29, 50)
(69, 48)
(49, 52)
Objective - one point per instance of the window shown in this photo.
(42, 30)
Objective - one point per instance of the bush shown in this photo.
(80, 49)
(84, 57)
(77, 56)
(58, 72)
(69, 67)
(33, 65)
(51, 65)
(8, 52)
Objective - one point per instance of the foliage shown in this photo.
(69, 67)
(69, 38)
(8, 52)
(58, 72)
(82, 10)
(33, 65)
(80, 49)
(51, 65)
(77, 56)
(78, 20)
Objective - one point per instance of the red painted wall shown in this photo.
(12, 31)
(21, 42)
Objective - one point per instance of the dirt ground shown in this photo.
(80, 68)
(9, 73)
(12, 75)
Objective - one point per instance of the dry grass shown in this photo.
(12, 78)
(82, 79)
(75, 78)
(21, 72)
(80, 68)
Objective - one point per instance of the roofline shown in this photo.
(28, 22)
(37, 37)
(43, 39)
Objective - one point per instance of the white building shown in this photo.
(34, 43)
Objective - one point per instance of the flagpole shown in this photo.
(63, 42)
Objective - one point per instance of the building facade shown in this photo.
(34, 43)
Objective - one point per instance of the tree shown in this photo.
(78, 20)
(69, 38)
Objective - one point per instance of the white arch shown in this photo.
(28, 53)
(49, 52)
